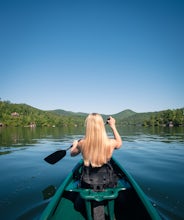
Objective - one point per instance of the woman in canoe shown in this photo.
(97, 149)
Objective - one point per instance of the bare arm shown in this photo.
(117, 141)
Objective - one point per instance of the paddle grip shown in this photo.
(107, 121)
(72, 145)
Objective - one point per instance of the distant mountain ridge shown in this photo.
(67, 113)
(24, 115)
(125, 114)
(128, 117)
(124, 117)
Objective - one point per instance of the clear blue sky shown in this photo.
(93, 55)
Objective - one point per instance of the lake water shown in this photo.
(154, 157)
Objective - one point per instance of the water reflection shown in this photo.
(161, 134)
(17, 136)
(13, 139)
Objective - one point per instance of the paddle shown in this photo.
(56, 156)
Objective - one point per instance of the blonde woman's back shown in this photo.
(96, 147)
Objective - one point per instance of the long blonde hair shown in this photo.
(96, 149)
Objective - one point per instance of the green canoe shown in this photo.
(126, 201)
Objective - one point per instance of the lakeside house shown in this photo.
(15, 114)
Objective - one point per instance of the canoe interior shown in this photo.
(131, 202)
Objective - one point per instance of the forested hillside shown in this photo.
(27, 116)
(162, 118)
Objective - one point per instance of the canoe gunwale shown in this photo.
(67, 186)
(143, 197)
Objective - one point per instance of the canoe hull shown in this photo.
(129, 201)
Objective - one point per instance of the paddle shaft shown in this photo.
(56, 156)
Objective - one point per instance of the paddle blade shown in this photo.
(55, 157)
